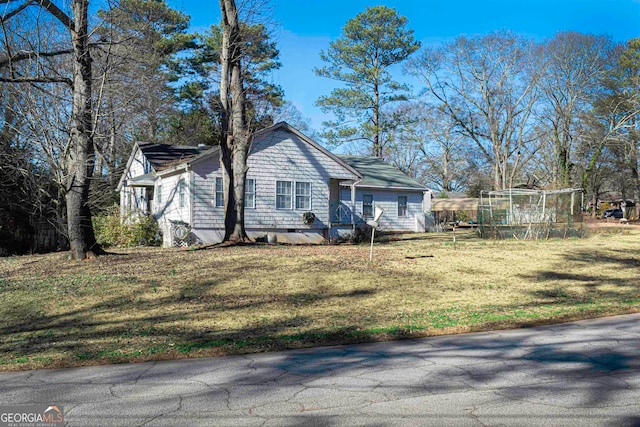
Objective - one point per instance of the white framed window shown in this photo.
(219, 193)
(182, 194)
(303, 196)
(284, 195)
(250, 193)
(367, 205)
(402, 205)
(159, 193)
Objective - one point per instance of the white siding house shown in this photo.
(288, 174)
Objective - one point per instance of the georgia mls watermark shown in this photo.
(31, 416)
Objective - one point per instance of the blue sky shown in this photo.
(304, 27)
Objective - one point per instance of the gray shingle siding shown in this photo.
(275, 156)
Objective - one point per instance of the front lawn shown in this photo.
(151, 304)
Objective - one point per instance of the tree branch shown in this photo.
(14, 12)
(45, 4)
(36, 80)
(58, 13)
(26, 54)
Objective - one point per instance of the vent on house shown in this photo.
(181, 234)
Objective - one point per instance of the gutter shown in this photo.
(379, 187)
(185, 167)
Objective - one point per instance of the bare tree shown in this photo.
(610, 125)
(627, 77)
(234, 147)
(79, 158)
(484, 84)
(425, 146)
(574, 65)
(445, 153)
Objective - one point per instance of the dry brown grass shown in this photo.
(147, 304)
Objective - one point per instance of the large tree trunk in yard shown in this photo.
(241, 140)
(226, 156)
(81, 158)
(235, 132)
(238, 232)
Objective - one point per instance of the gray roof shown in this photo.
(161, 156)
(379, 174)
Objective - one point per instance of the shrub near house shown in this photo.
(112, 230)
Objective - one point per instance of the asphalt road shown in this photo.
(575, 374)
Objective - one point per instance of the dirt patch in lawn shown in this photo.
(151, 304)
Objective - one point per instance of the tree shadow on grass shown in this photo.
(549, 366)
(172, 323)
(608, 284)
(541, 364)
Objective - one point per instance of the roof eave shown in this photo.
(392, 187)
(128, 166)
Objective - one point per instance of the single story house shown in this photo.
(288, 175)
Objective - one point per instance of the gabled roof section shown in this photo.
(287, 127)
(379, 174)
(162, 156)
(173, 166)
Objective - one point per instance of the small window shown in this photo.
(219, 193)
(303, 196)
(250, 193)
(159, 193)
(367, 205)
(284, 194)
(402, 205)
(182, 193)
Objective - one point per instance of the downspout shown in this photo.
(353, 203)
(191, 198)
(426, 208)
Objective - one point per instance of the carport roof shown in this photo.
(452, 205)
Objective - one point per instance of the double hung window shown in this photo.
(402, 205)
(293, 195)
(367, 205)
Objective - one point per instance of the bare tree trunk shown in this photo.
(226, 142)
(111, 149)
(633, 165)
(446, 182)
(377, 150)
(235, 132)
(80, 160)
